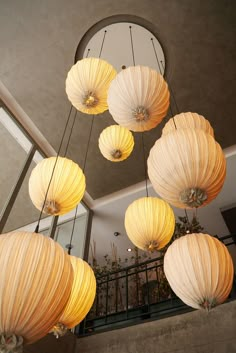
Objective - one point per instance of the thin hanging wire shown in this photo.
(54, 167)
(154, 48)
(145, 165)
(162, 70)
(132, 44)
(84, 166)
(71, 129)
(85, 158)
(171, 90)
(142, 133)
(87, 53)
(105, 32)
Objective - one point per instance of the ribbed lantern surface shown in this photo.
(138, 98)
(149, 223)
(81, 297)
(188, 120)
(187, 168)
(35, 284)
(66, 189)
(87, 85)
(116, 143)
(200, 270)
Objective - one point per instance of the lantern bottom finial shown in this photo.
(141, 114)
(51, 207)
(59, 330)
(208, 304)
(193, 197)
(11, 343)
(152, 246)
(90, 100)
(116, 154)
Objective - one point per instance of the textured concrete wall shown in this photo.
(194, 332)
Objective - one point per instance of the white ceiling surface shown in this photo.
(117, 46)
(109, 214)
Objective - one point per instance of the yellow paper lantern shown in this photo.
(116, 143)
(200, 270)
(149, 223)
(188, 120)
(187, 168)
(138, 98)
(81, 297)
(87, 84)
(66, 189)
(35, 284)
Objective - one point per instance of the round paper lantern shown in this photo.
(66, 189)
(87, 84)
(188, 120)
(138, 98)
(35, 284)
(149, 223)
(81, 297)
(116, 143)
(200, 270)
(187, 168)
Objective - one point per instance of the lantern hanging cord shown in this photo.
(76, 210)
(132, 44)
(155, 52)
(186, 214)
(161, 70)
(87, 53)
(144, 163)
(71, 130)
(59, 149)
(105, 32)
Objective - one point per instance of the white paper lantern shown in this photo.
(188, 120)
(187, 168)
(138, 98)
(200, 270)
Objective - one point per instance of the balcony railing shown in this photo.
(133, 294)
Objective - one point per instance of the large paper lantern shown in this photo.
(138, 98)
(188, 120)
(149, 223)
(116, 143)
(187, 168)
(87, 84)
(81, 297)
(66, 189)
(35, 284)
(200, 270)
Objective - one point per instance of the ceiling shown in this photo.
(38, 40)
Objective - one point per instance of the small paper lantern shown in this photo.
(81, 298)
(149, 223)
(187, 168)
(66, 189)
(138, 98)
(87, 84)
(188, 120)
(116, 143)
(200, 270)
(35, 284)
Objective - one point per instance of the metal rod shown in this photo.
(15, 190)
(53, 227)
(132, 45)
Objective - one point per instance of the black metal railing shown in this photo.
(135, 293)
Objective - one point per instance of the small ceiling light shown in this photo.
(129, 249)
